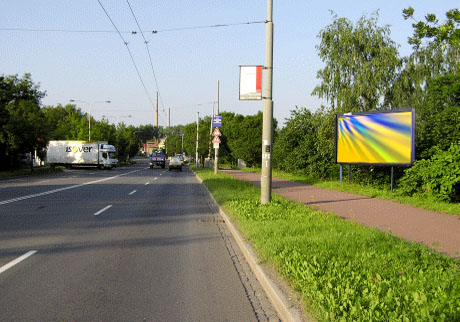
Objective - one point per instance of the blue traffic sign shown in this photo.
(217, 121)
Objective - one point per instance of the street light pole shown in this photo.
(90, 103)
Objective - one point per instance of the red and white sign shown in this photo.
(216, 132)
(251, 82)
(216, 140)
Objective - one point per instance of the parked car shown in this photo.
(175, 163)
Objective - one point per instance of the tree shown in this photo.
(149, 132)
(21, 120)
(362, 64)
(126, 141)
(243, 135)
(439, 117)
(432, 31)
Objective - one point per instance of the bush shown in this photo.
(439, 176)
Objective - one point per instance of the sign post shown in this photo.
(216, 150)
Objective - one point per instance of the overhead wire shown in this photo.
(129, 51)
(150, 56)
(133, 32)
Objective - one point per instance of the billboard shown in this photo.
(376, 138)
(250, 82)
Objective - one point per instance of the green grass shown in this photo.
(420, 201)
(343, 271)
(28, 172)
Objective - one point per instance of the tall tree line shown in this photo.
(25, 126)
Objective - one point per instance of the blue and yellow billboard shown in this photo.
(376, 138)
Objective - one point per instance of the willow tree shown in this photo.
(361, 64)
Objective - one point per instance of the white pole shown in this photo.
(197, 129)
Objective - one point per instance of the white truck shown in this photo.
(81, 154)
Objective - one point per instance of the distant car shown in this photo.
(157, 159)
(175, 163)
(181, 157)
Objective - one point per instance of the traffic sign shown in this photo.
(216, 132)
(216, 140)
(216, 145)
(217, 121)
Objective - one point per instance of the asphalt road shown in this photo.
(131, 244)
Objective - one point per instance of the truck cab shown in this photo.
(107, 156)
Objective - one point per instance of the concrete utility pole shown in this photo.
(216, 150)
(197, 130)
(156, 112)
(169, 117)
(267, 127)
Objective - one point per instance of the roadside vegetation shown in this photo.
(28, 172)
(343, 271)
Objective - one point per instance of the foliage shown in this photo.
(149, 132)
(439, 34)
(302, 145)
(344, 271)
(438, 176)
(126, 142)
(361, 64)
(243, 136)
(438, 119)
(21, 120)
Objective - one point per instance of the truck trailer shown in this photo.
(81, 154)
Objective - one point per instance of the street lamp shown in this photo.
(90, 103)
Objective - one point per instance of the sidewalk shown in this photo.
(436, 230)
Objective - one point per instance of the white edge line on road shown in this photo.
(4, 202)
(102, 210)
(17, 261)
(132, 192)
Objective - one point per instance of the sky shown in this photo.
(73, 51)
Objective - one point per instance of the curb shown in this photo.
(274, 294)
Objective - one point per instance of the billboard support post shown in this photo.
(392, 179)
(349, 174)
(341, 174)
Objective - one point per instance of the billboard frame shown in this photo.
(386, 164)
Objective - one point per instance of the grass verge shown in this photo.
(343, 271)
(28, 172)
(420, 201)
